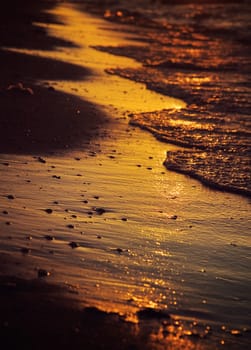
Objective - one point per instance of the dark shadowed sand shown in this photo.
(39, 120)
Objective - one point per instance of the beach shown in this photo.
(103, 247)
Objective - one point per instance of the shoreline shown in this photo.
(65, 178)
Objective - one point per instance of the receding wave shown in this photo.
(200, 54)
(219, 153)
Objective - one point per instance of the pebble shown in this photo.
(70, 226)
(48, 211)
(25, 250)
(100, 211)
(49, 237)
(124, 219)
(41, 160)
(174, 217)
(5, 212)
(74, 245)
(43, 273)
(10, 196)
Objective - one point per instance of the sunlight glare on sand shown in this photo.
(86, 32)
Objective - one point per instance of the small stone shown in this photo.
(100, 211)
(70, 226)
(43, 273)
(74, 245)
(10, 196)
(41, 160)
(119, 250)
(124, 219)
(5, 212)
(49, 237)
(25, 250)
(174, 217)
(48, 211)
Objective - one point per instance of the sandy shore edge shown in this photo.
(40, 314)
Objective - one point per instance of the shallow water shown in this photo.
(170, 244)
(161, 240)
(200, 53)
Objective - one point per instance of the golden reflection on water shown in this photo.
(189, 124)
(196, 80)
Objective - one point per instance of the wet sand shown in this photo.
(68, 184)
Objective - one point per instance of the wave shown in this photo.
(200, 54)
